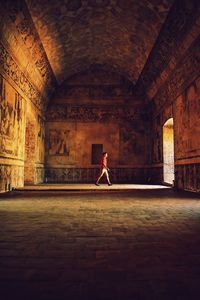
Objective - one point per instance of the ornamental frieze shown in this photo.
(83, 113)
(12, 70)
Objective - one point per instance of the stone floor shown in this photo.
(143, 244)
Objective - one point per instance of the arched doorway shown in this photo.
(168, 152)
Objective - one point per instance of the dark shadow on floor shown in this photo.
(107, 246)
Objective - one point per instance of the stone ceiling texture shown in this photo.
(118, 33)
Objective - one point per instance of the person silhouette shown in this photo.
(104, 169)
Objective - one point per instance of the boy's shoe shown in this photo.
(97, 184)
(109, 184)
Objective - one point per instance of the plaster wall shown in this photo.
(96, 106)
(74, 143)
(22, 90)
(17, 142)
(187, 142)
(185, 110)
(69, 149)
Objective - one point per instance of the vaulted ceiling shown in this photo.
(117, 33)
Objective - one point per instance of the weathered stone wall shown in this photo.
(16, 140)
(172, 66)
(34, 149)
(98, 105)
(12, 124)
(95, 109)
(187, 142)
(185, 109)
(72, 129)
(156, 144)
(11, 175)
(89, 175)
(23, 90)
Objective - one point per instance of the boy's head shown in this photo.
(105, 154)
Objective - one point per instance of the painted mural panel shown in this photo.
(187, 125)
(11, 176)
(156, 147)
(70, 143)
(58, 142)
(89, 175)
(92, 113)
(12, 120)
(40, 139)
(132, 144)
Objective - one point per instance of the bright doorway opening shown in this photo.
(168, 152)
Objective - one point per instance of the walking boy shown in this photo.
(104, 169)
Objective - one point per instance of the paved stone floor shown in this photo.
(119, 245)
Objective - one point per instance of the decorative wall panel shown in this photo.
(20, 27)
(11, 69)
(12, 122)
(93, 113)
(186, 113)
(89, 175)
(187, 125)
(58, 142)
(179, 22)
(11, 176)
(186, 72)
(188, 177)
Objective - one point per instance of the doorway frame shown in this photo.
(167, 124)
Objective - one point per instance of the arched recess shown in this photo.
(168, 152)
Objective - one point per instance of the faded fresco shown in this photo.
(58, 142)
(156, 146)
(11, 176)
(40, 139)
(12, 138)
(187, 125)
(186, 114)
(132, 144)
(12, 121)
(93, 113)
(34, 148)
(69, 143)
(89, 175)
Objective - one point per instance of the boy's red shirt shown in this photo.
(103, 162)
